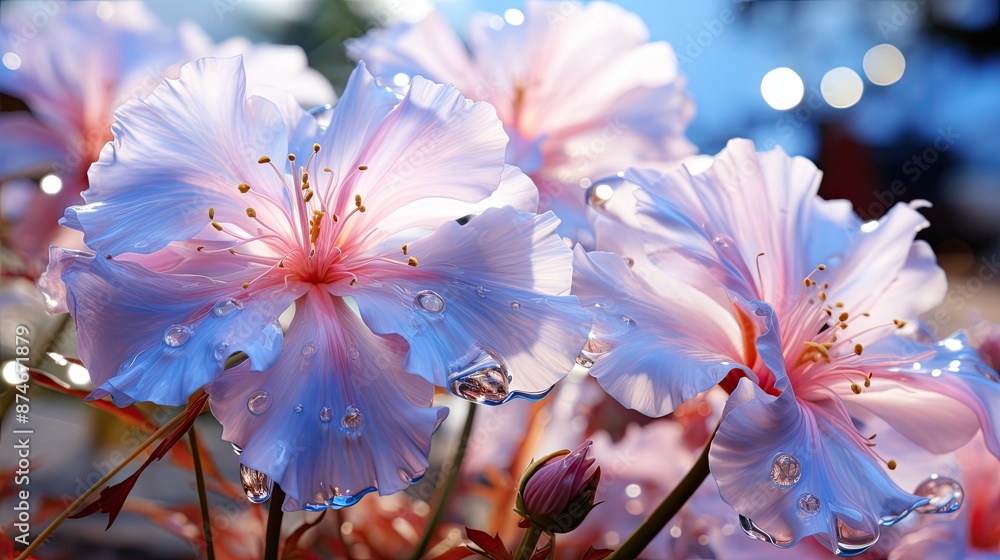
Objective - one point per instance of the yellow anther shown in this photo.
(362, 168)
(822, 296)
(412, 261)
(291, 157)
(246, 285)
(211, 213)
(821, 267)
(305, 176)
(899, 324)
(821, 348)
(404, 248)
(843, 325)
(305, 185)
(856, 388)
(232, 251)
(858, 349)
(307, 196)
(357, 200)
(217, 226)
(328, 170)
(891, 464)
(844, 316)
(244, 188)
(264, 159)
(315, 147)
(361, 208)
(839, 304)
(251, 213)
(868, 382)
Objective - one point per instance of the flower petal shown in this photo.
(157, 337)
(336, 416)
(498, 282)
(199, 165)
(647, 359)
(854, 496)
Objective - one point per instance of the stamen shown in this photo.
(263, 160)
(316, 148)
(899, 324)
(200, 248)
(759, 276)
(868, 381)
(291, 157)
(839, 304)
(891, 464)
(251, 213)
(821, 348)
(362, 168)
(843, 316)
(858, 349)
(856, 388)
(357, 200)
(244, 188)
(217, 226)
(412, 261)
(233, 251)
(404, 248)
(107, 257)
(246, 285)
(821, 266)
(211, 213)
(307, 196)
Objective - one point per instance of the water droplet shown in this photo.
(177, 335)
(227, 306)
(594, 349)
(258, 403)
(310, 349)
(429, 301)
(627, 322)
(515, 305)
(237, 449)
(298, 408)
(722, 241)
(852, 541)
(602, 191)
(481, 291)
(809, 504)
(483, 379)
(946, 495)
(353, 352)
(785, 470)
(404, 477)
(755, 532)
(326, 414)
(629, 261)
(353, 421)
(222, 351)
(256, 485)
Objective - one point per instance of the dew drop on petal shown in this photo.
(237, 449)
(256, 485)
(177, 335)
(627, 322)
(326, 414)
(946, 495)
(852, 541)
(481, 291)
(353, 421)
(515, 305)
(755, 532)
(809, 504)
(484, 378)
(222, 351)
(353, 352)
(594, 349)
(721, 241)
(429, 301)
(309, 349)
(785, 470)
(227, 306)
(259, 402)
(298, 408)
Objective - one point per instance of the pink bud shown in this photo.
(561, 484)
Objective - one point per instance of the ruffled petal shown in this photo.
(200, 165)
(647, 359)
(156, 337)
(27, 145)
(434, 145)
(494, 286)
(794, 468)
(937, 396)
(336, 416)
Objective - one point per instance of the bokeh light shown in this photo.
(884, 64)
(782, 88)
(50, 184)
(841, 87)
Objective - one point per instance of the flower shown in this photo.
(557, 492)
(581, 91)
(205, 232)
(743, 276)
(76, 69)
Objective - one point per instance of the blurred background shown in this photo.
(894, 101)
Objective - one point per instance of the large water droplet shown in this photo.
(592, 350)
(222, 351)
(946, 495)
(256, 485)
(429, 301)
(515, 305)
(353, 421)
(227, 306)
(627, 322)
(852, 541)
(809, 504)
(259, 402)
(326, 414)
(177, 335)
(785, 470)
(484, 378)
(755, 532)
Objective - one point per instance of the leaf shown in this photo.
(292, 542)
(113, 497)
(596, 553)
(128, 415)
(492, 547)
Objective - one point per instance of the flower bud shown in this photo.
(557, 492)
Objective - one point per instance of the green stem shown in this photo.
(199, 476)
(440, 501)
(274, 515)
(669, 507)
(528, 543)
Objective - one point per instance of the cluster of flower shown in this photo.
(482, 216)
